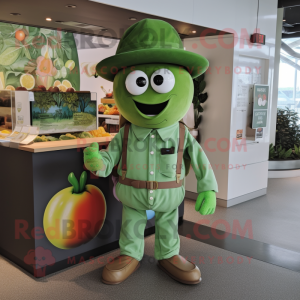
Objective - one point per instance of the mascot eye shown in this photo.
(137, 83)
(162, 81)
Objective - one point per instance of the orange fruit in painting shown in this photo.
(20, 35)
(67, 83)
(45, 65)
(57, 83)
(10, 87)
(62, 88)
(83, 205)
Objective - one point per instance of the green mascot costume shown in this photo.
(153, 89)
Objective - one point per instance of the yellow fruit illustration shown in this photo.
(70, 64)
(67, 83)
(56, 83)
(2, 83)
(62, 88)
(27, 81)
(10, 87)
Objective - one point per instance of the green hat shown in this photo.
(151, 41)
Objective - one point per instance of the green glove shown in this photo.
(92, 158)
(206, 203)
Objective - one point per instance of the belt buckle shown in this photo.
(151, 185)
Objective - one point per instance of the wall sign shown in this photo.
(260, 106)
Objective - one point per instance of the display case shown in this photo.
(109, 115)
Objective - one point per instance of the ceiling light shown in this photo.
(71, 6)
(15, 14)
(132, 19)
(48, 19)
(194, 31)
(283, 20)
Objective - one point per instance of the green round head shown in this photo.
(153, 95)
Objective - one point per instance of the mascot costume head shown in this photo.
(152, 74)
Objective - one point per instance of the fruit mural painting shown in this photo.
(75, 215)
(31, 57)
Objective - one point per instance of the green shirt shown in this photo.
(145, 162)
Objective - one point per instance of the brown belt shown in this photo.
(150, 185)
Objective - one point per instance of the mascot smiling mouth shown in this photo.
(151, 109)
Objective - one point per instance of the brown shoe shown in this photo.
(181, 269)
(119, 270)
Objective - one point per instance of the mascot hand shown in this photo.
(206, 203)
(92, 158)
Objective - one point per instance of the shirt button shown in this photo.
(151, 172)
(151, 198)
(152, 136)
(152, 152)
(151, 192)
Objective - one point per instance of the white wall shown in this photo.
(216, 118)
(88, 59)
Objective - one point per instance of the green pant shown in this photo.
(134, 221)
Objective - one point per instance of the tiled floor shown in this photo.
(274, 218)
(225, 275)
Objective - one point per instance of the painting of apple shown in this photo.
(75, 215)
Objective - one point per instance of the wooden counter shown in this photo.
(63, 145)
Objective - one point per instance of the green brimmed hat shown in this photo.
(151, 41)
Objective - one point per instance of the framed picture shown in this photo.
(63, 112)
(260, 106)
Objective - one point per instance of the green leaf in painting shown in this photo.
(13, 78)
(46, 31)
(55, 43)
(6, 30)
(32, 44)
(67, 50)
(1, 43)
(27, 53)
(19, 65)
(9, 56)
(10, 42)
(16, 26)
(33, 31)
(28, 41)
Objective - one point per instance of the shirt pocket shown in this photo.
(167, 165)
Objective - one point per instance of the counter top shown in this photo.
(63, 145)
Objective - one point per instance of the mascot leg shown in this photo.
(131, 244)
(167, 244)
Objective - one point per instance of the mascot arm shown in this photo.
(102, 162)
(206, 182)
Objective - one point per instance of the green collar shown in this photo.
(165, 133)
